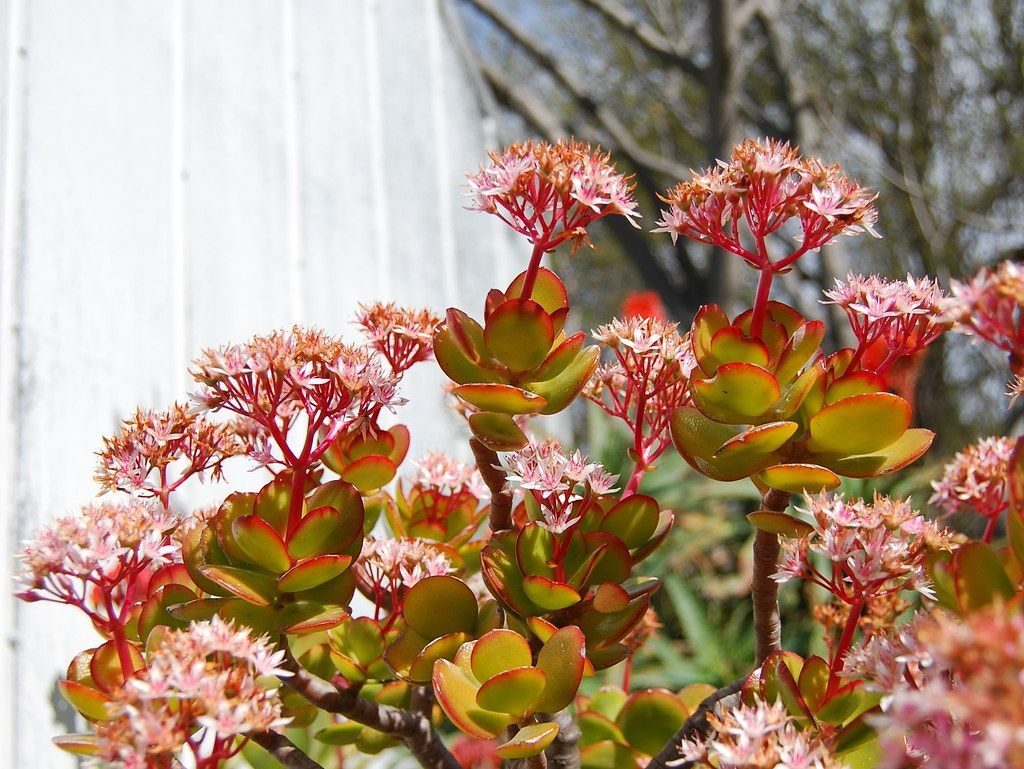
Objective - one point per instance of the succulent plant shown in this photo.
(519, 362)
(496, 682)
(774, 408)
(624, 730)
(251, 567)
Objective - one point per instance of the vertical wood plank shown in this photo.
(12, 79)
(95, 328)
(335, 161)
(236, 200)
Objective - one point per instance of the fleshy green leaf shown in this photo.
(439, 605)
(860, 424)
(501, 398)
(800, 478)
(313, 572)
(562, 660)
(519, 333)
(498, 651)
(513, 692)
(531, 740)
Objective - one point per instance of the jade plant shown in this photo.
(485, 611)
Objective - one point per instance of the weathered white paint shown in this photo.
(181, 173)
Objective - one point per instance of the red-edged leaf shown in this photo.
(261, 543)
(519, 333)
(531, 740)
(498, 651)
(313, 572)
(562, 659)
(513, 692)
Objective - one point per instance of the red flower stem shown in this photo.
(299, 483)
(990, 529)
(124, 656)
(891, 358)
(639, 463)
(764, 287)
(845, 640)
(531, 272)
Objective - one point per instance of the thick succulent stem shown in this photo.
(564, 752)
(284, 750)
(764, 591)
(501, 493)
(411, 729)
(694, 726)
(532, 270)
(764, 287)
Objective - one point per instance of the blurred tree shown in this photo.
(922, 99)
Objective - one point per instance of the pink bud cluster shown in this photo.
(977, 481)
(551, 193)
(872, 549)
(439, 472)
(758, 736)
(904, 316)
(561, 484)
(763, 186)
(96, 559)
(988, 306)
(958, 702)
(646, 382)
(155, 452)
(275, 378)
(387, 568)
(201, 688)
(402, 335)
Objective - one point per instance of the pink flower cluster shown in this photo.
(977, 480)
(764, 185)
(402, 335)
(905, 316)
(872, 549)
(387, 568)
(889, 661)
(273, 379)
(156, 451)
(646, 382)
(439, 472)
(958, 702)
(551, 193)
(758, 736)
(97, 554)
(201, 688)
(560, 483)
(989, 307)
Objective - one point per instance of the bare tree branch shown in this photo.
(695, 725)
(411, 729)
(621, 139)
(654, 41)
(564, 752)
(284, 750)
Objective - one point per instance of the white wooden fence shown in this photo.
(181, 173)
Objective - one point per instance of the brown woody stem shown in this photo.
(764, 591)
(284, 750)
(411, 729)
(564, 752)
(695, 725)
(501, 493)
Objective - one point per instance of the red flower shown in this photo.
(644, 304)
